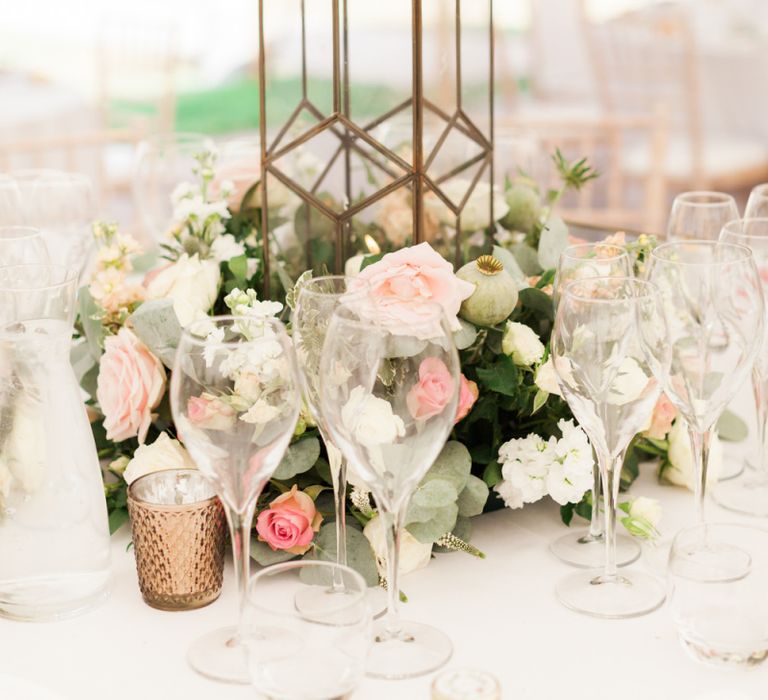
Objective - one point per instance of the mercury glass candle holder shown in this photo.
(178, 537)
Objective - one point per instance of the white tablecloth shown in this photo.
(500, 612)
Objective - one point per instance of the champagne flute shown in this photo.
(584, 547)
(700, 216)
(713, 304)
(750, 493)
(235, 399)
(609, 345)
(388, 395)
(757, 204)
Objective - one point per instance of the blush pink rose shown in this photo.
(130, 384)
(433, 392)
(290, 522)
(468, 393)
(209, 413)
(664, 414)
(405, 285)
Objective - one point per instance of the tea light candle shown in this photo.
(465, 684)
(172, 487)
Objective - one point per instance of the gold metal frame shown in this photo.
(351, 135)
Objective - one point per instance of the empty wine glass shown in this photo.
(713, 304)
(585, 547)
(235, 400)
(162, 162)
(757, 204)
(608, 346)
(700, 216)
(749, 494)
(22, 245)
(388, 396)
(317, 652)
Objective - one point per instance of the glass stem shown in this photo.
(240, 533)
(595, 526)
(761, 405)
(338, 467)
(611, 473)
(392, 522)
(700, 442)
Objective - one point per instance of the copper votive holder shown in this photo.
(179, 531)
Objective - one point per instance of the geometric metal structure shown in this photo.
(358, 164)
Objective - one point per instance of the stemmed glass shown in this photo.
(235, 399)
(388, 396)
(713, 304)
(582, 261)
(757, 204)
(750, 493)
(22, 245)
(609, 345)
(699, 216)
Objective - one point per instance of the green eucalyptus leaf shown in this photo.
(526, 258)
(94, 331)
(370, 260)
(299, 458)
(443, 521)
(82, 360)
(156, 325)
(472, 499)
(435, 493)
(263, 554)
(731, 428)
(238, 266)
(465, 336)
(360, 556)
(453, 464)
(492, 474)
(553, 241)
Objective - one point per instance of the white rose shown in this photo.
(413, 554)
(260, 413)
(476, 213)
(546, 378)
(193, 284)
(629, 384)
(370, 419)
(163, 453)
(225, 247)
(648, 509)
(522, 344)
(680, 470)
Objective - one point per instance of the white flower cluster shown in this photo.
(533, 467)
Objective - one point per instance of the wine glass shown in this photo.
(584, 547)
(713, 303)
(162, 162)
(699, 216)
(388, 394)
(22, 245)
(750, 493)
(235, 399)
(609, 345)
(318, 652)
(757, 204)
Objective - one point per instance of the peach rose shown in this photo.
(209, 413)
(130, 384)
(468, 393)
(433, 392)
(406, 283)
(290, 522)
(664, 413)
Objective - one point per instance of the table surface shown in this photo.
(500, 612)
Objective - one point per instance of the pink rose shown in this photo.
(433, 392)
(209, 413)
(468, 393)
(290, 522)
(131, 383)
(664, 414)
(404, 285)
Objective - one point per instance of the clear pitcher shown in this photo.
(54, 536)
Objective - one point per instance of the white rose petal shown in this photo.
(522, 344)
(648, 509)
(370, 419)
(225, 247)
(413, 554)
(260, 413)
(163, 453)
(193, 284)
(546, 378)
(680, 470)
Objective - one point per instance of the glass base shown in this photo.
(747, 495)
(417, 650)
(732, 468)
(219, 655)
(49, 599)
(714, 656)
(630, 594)
(579, 548)
(311, 597)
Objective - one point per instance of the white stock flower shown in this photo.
(246, 303)
(163, 453)
(522, 344)
(225, 247)
(680, 470)
(370, 419)
(193, 284)
(546, 378)
(413, 554)
(524, 465)
(648, 509)
(570, 474)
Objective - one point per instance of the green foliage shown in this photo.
(299, 458)
(156, 325)
(574, 175)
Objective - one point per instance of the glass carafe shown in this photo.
(54, 537)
